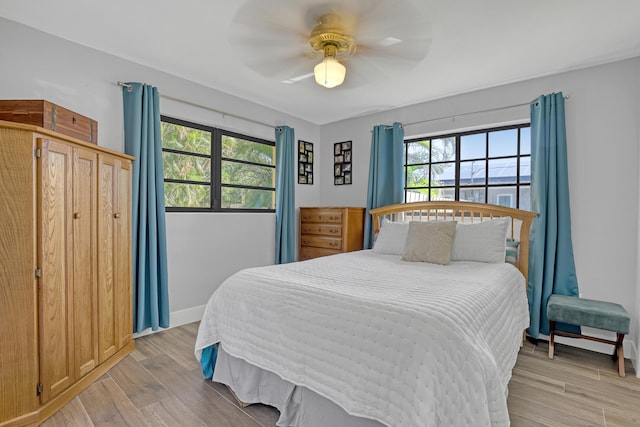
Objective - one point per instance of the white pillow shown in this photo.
(483, 241)
(391, 238)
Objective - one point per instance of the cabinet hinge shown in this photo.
(38, 273)
(39, 389)
(38, 153)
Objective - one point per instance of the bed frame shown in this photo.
(466, 212)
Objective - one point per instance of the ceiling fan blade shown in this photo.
(272, 37)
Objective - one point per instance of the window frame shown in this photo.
(216, 185)
(486, 185)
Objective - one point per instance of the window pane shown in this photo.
(443, 194)
(187, 195)
(185, 167)
(249, 151)
(503, 143)
(443, 174)
(417, 176)
(472, 172)
(244, 198)
(443, 149)
(418, 152)
(473, 146)
(416, 196)
(184, 138)
(525, 140)
(525, 169)
(242, 174)
(502, 196)
(472, 194)
(503, 171)
(525, 197)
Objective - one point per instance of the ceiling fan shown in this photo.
(356, 41)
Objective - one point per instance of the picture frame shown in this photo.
(305, 162)
(342, 157)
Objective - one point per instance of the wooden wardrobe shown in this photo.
(65, 268)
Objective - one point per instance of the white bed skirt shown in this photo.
(298, 406)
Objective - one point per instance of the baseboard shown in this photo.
(178, 318)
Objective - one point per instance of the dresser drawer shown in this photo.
(321, 215)
(322, 229)
(321, 242)
(308, 252)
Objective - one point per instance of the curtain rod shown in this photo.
(130, 87)
(453, 116)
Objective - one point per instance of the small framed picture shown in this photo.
(305, 162)
(342, 157)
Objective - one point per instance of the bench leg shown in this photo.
(620, 353)
(552, 327)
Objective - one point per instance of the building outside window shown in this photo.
(486, 166)
(210, 169)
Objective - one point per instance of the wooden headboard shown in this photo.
(466, 212)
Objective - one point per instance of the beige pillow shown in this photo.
(429, 242)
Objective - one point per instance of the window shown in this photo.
(486, 166)
(210, 169)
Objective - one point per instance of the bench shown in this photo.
(595, 314)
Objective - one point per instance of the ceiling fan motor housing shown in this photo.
(330, 38)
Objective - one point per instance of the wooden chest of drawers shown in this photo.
(330, 230)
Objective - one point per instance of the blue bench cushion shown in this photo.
(586, 312)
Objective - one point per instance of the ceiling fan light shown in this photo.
(329, 73)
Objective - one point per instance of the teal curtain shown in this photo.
(386, 172)
(142, 139)
(551, 265)
(285, 195)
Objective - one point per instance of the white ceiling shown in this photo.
(474, 44)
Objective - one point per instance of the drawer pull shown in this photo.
(306, 242)
(76, 215)
(306, 230)
(333, 231)
(333, 244)
(307, 217)
(116, 215)
(334, 218)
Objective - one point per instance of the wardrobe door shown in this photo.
(85, 287)
(122, 235)
(55, 237)
(107, 181)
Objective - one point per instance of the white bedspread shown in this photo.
(406, 344)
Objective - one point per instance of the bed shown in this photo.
(370, 339)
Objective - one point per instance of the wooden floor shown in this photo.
(160, 384)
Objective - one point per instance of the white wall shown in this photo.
(603, 138)
(203, 248)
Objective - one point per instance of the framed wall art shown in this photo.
(342, 163)
(305, 162)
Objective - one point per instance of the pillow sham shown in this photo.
(513, 253)
(482, 242)
(391, 238)
(429, 242)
